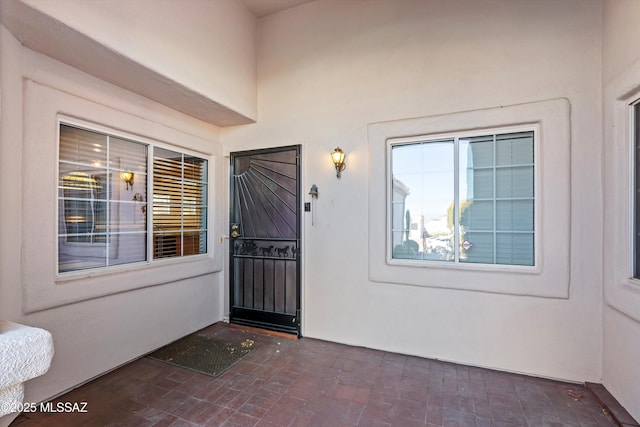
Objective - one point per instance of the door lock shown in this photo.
(235, 234)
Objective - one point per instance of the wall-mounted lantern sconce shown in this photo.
(338, 160)
(127, 177)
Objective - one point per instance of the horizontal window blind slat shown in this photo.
(179, 203)
(100, 222)
(103, 219)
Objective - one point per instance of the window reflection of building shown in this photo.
(84, 207)
(398, 203)
(487, 182)
(99, 224)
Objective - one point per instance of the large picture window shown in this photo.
(465, 198)
(103, 218)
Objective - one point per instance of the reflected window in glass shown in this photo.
(466, 198)
(103, 218)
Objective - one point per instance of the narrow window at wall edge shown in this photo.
(635, 138)
(463, 198)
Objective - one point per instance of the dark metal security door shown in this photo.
(265, 239)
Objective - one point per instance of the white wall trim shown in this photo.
(621, 290)
(42, 287)
(551, 276)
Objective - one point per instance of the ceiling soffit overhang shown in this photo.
(46, 35)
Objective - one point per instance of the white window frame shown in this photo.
(151, 144)
(182, 205)
(456, 136)
(550, 277)
(96, 248)
(43, 105)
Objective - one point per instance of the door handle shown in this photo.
(235, 234)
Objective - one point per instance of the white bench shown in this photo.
(25, 353)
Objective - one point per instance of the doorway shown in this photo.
(264, 233)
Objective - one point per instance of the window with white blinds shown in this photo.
(464, 198)
(103, 218)
(179, 204)
(101, 221)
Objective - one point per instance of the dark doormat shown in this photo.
(203, 354)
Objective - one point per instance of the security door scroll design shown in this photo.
(264, 231)
(266, 195)
(265, 249)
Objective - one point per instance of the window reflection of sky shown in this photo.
(427, 169)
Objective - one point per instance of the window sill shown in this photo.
(624, 296)
(76, 287)
(517, 269)
(73, 276)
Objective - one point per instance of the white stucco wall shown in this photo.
(107, 325)
(621, 78)
(197, 56)
(328, 69)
